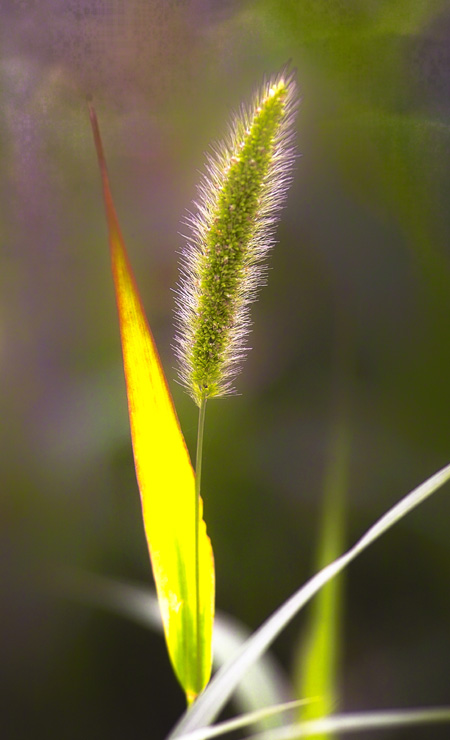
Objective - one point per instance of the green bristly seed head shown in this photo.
(232, 230)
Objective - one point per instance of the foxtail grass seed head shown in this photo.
(223, 266)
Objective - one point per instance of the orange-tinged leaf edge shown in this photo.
(162, 465)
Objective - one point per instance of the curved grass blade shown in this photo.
(264, 685)
(350, 723)
(245, 720)
(164, 473)
(343, 723)
(225, 681)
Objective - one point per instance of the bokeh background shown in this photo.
(352, 329)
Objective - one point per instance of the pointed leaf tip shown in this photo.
(164, 473)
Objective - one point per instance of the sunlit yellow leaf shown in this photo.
(165, 476)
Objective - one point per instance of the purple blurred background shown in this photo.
(362, 267)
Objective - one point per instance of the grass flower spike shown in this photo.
(223, 263)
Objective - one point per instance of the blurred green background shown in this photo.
(356, 308)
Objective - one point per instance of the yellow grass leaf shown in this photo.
(165, 476)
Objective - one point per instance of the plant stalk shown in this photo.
(198, 477)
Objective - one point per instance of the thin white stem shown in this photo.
(198, 476)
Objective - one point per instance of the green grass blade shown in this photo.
(217, 693)
(318, 657)
(264, 685)
(319, 652)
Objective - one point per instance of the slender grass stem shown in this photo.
(198, 477)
